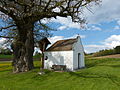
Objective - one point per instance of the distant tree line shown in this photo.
(105, 52)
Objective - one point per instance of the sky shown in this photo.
(101, 32)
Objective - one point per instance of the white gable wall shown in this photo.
(59, 58)
(78, 48)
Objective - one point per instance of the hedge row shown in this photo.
(116, 50)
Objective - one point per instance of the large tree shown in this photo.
(25, 13)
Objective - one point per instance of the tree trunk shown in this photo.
(23, 48)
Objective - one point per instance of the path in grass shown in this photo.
(99, 74)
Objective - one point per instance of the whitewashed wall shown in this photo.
(59, 58)
(78, 48)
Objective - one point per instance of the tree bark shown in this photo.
(23, 48)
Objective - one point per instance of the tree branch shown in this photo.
(7, 27)
(6, 37)
(3, 10)
(47, 5)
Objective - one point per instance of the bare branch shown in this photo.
(47, 5)
(6, 37)
(6, 27)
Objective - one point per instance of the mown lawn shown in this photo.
(99, 74)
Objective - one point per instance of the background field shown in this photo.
(9, 57)
(99, 74)
(5, 56)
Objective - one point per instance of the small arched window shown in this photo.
(46, 57)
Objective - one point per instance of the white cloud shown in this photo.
(107, 11)
(95, 28)
(66, 22)
(94, 48)
(56, 38)
(2, 40)
(83, 36)
(74, 36)
(116, 27)
(62, 27)
(118, 22)
(45, 20)
(56, 9)
(110, 42)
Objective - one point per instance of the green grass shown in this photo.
(5, 56)
(2, 56)
(37, 57)
(99, 74)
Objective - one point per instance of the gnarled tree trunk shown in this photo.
(23, 48)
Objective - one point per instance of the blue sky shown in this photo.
(101, 32)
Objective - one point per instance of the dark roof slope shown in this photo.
(62, 45)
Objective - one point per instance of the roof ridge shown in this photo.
(62, 45)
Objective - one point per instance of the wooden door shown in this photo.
(79, 56)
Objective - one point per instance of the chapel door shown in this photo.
(79, 56)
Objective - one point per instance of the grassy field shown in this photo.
(5, 56)
(9, 57)
(99, 74)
